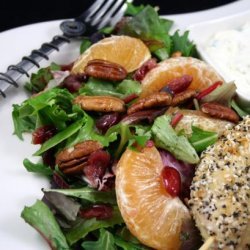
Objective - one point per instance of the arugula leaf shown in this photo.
(182, 43)
(147, 25)
(42, 219)
(85, 44)
(39, 80)
(22, 124)
(88, 194)
(201, 139)
(37, 167)
(83, 227)
(127, 137)
(87, 132)
(166, 138)
(61, 136)
(105, 242)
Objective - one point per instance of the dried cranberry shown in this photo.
(100, 212)
(130, 98)
(107, 121)
(171, 180)
(96, 37)
(42, 134)
(49, 158)
(59, 182)
(98, 162)
(150, 144)
(73, 82)
(178, 84)
(67, 67)
(144, 69)
(144, 115)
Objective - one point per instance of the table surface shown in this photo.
(18, 13)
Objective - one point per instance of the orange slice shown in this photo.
(203, 74)
(150, 213)
(127, 51)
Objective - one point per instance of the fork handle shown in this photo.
(14, 72)
(73, 28)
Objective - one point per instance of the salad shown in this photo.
(126, 132)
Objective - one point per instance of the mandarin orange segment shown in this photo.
(127, 51)
(203, 74)
(150, 213)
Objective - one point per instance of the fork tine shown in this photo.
(108, 15)
(117, 17)
(86, 15)
(95, 19)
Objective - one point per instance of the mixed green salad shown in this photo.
(80, 209)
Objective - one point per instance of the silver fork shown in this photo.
(98, 15)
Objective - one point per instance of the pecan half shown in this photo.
(219, 111)
(160, 99)
(105, 70)
(183, 97)
(178, 84)
(73, 160)
(100, 103)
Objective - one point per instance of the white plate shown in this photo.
(202, 34)
(18, 187)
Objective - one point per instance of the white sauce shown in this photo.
(230, 51)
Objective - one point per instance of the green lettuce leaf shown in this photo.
(181, 43)
(87, 132)
(60, 137)
(63, 205)
(42, 219)
(39, 168)
(166, 138)
(201, 139)
(127, 245)
(22, 124)
(100, 87)
(133, 10)
(105, 242)
(85, 44)
(240, 110)
(50, 107)
(83, 227)
(88, 194)
(148, 26)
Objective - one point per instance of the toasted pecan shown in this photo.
(73, 160)
(105, 70)
(154, 100)
(100, 103)
(219, 111)
(183, 97)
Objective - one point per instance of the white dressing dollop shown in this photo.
(230, 51)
